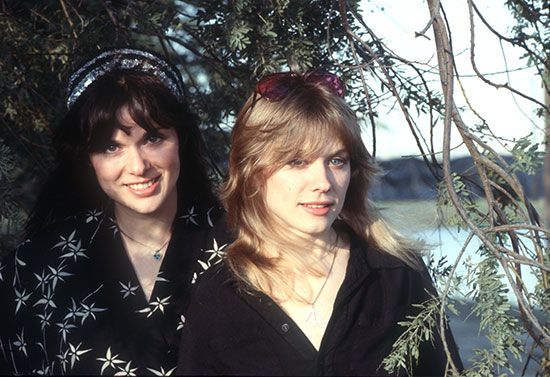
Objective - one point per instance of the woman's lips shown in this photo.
(145, 188)
(317, 208)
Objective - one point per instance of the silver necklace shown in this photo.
(314, 317)
(157, 255)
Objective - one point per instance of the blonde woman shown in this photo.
(316, 282)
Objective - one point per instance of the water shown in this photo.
(465, 327)
(449, 242)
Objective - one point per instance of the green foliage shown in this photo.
(494, 310)
(11, 219)
(466, 198)
(528, 158)
(222, 48)
(7, 162)
(418, 329)
(531, 29)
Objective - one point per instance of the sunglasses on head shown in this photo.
(277, 86)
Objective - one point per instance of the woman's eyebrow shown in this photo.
(340, 151)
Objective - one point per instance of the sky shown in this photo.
(507, 115)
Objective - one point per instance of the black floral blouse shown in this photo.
(72, 303)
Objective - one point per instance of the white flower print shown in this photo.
(45, 370)
(66, 242)
(20, 342)
(113, 227)
(43, 280)
(44, 319)
(88, 311)
(76, 352)
(19, 262)
(161, 372)
(57, 274)
(56, 294)
(205, 266)
(47, 299)
(208, 219)
(216, 253)
(75, 251)
(128, 289)
(21, 298)
(64, 329)
(160, 278)
(93, 215)
(73, 311)
(181, 322)
(64, 359)
(158, 304)
(109, 360)
(190, 216)
(126, 371)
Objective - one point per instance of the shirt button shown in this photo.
(285, 327)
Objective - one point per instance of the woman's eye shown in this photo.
(111, 148)
(153, 139)
(338, 161)
(297, 162)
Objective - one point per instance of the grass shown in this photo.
(410, 216)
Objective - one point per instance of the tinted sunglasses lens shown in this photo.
(328, 80)
(274, 87)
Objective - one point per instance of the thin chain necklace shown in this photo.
(314, 317)
(157, 255)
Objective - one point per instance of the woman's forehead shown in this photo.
(326, 148)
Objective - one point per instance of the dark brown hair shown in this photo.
(89, 124)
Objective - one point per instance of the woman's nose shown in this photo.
(137, 162)
(320, 177)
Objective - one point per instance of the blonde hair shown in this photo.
(266, 136)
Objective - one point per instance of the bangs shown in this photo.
(305, 133)
(307, 140)
(149, 104)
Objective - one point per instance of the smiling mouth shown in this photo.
(317, 206)
(142, 185)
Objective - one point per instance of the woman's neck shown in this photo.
(316, 246)
(154, 228)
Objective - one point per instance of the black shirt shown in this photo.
(72, 303)
(232, 332)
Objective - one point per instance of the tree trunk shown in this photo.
(547, 159)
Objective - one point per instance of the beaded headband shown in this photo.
(124, 59)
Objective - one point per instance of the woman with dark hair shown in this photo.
(121, 230)
(316, 282)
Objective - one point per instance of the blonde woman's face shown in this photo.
(306, 196)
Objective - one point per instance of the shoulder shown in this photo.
(215, 283)
(396, 274)
(70, 235)
(373, 256)
(200, 215)
(216, 293)
(206, 218)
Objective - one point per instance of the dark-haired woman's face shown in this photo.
(138, 169)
